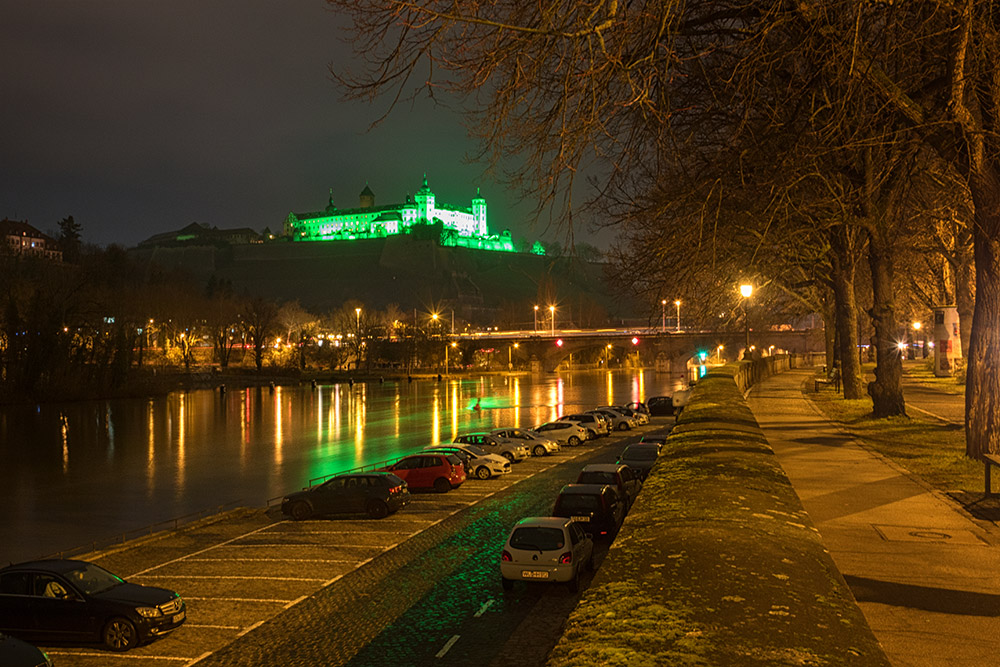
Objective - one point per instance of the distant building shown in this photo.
(198, 234)
(455, 226)
(20, 238)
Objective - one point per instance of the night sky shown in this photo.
(140, 117)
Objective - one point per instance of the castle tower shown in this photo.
(425, 202)
(367, 198)
(479, 214)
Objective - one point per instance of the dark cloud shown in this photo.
(139, 117)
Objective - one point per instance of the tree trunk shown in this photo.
(965, 286)
(982, 379)
(886, 391)
(843, 265)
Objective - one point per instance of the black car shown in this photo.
(76, 601)
(660, 405)
(640, 457)
(15, 653)
(622, 478)
(376, 494)
(596, 506)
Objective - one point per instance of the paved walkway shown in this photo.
(926, 574)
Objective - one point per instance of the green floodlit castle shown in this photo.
(455, 226)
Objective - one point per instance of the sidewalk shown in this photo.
(925, 574)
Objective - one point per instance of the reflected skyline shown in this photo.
(74, 473)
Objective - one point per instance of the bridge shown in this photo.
(667, 351)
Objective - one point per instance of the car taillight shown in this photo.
(395, 489)
(506, 557)
(566, 558)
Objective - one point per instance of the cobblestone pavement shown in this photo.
(262, 590)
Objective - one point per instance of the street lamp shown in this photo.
(453, 344)
(746, 289)
(552, 313)
(510, 361)
(678, 304)
(536, 318)
(357, 311)
(663, 315)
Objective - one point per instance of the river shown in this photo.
(78, 472)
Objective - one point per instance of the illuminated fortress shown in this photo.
(456, 226)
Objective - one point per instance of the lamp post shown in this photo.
(916, 334)
(746, 289)
(446, 365)
(510, 360)
(678, 304)
(552, 313)
(663, 316)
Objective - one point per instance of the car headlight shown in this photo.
(148, 612)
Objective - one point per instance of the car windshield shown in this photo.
(475, 451)
(537, 537)
(640, 454)
(592, 477)
(572, 502)
(92, 579)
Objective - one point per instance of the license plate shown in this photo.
(534, 574)
(179, 617)
(585, 519)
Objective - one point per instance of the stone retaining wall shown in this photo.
(717, 562)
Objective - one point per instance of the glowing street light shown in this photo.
(536, 318)
(552, 313)
(746, 289)
(663, 315)
(357, 311)
(678, 304)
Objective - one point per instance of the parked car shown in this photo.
(633, 419)
(16, 653)
(639, 416)
(638, 406)
(76, 601)
(552, 549)
(566, 432)
(440, 472)
(597, 505)
(618, 475)
(604, 419)
(538, 444)
(654, 439)
(680, 400)
(480, 464)
(660, 405)
(640, 457)
(377, 494)
(512, 450)
(596, 427)
(619, 422)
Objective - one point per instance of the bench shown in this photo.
(831, 380)
(989, 460)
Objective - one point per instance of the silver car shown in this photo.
(619, 422)
(538, 444)
(546, 548)
(512, 450)
(479, 464)
(570, 433)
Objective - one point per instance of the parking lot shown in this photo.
(241, 569)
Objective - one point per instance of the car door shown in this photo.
(15, 591)
(355, 495)
(406, 468)
(60, 611)
(329, 497)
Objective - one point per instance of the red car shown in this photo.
(441, 472)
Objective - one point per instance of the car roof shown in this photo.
(603, 467)
(474, 433)
(544, 521)
(50, 565)
(642, 446)
(583, 489)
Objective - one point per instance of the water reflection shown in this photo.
(76, 472)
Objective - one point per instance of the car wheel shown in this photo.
(623, 426)
(574, 583)
(119, 635)
(300, 510)
(441, 485)
(573, 441)
(508, 456)
(482, 472)
(377, 509)
(539, 450)
(508, 584)
(591, 435)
